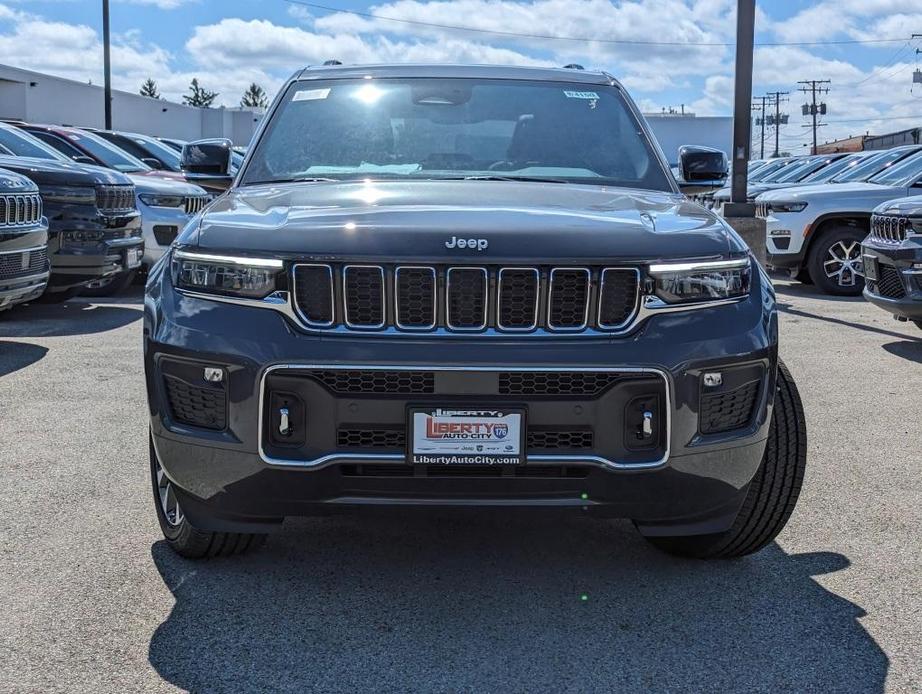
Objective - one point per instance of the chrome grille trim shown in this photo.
(632, 315)
(193, 204)
(435, 297)
(486, 298)
(294, 293)
(550, 299)
(889, 228)
(20, 210)
(499, 298)
(364, 326)
(115, 198)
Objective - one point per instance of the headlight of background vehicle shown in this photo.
(76, 195)
(252, 278)
(915, 225)
(786, 206)
(155, 200)
(677, 283)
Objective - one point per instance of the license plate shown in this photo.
(466, 435)
(871, 269)
(133, 257)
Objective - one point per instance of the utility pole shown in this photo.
(814, 109)
(778, 119)
(107, 66)
(761, 122)
(742, 107)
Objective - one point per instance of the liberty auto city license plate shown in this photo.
(466, 435)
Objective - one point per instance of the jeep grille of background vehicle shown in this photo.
(115, 198)
(13, 265)
(414, 298)
(890, 284)
(197, 407)
(20, 210)
(732, 409)
(889, 228)
(193, 204)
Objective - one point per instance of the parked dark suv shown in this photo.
(24, 267)
(94, 225)
(464, 286)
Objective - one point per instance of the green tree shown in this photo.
(149, 88)
(254, 97)
(199, 96)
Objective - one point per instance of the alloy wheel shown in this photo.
(169, 504)
(843, 263)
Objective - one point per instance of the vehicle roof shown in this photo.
(503, 72)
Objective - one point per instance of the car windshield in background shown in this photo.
(164, 153)
(874, 164)
(455, 128)
(903, 174)
(107, 153)
(769, 169)
(24, 145)
(830, 170)
(794, 172)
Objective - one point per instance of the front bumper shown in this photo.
(235, 476)
(24, 265)
(76, 263)
(159, 227)
(898, 289)
(784, 240)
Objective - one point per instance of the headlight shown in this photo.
(677, 283)
(786, 206)
(77, 195)
(252, 278)
(915, 225)
(154, 200)
(84, 236)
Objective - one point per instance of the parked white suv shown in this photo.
(815, 232)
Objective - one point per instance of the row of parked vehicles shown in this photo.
(849, 223)
(82, 211)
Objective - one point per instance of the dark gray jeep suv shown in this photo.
(443, 286)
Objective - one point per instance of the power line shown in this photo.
(585, 39)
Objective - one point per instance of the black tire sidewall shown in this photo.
(819, 252)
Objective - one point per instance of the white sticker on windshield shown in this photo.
(581, 95)
(310, 94)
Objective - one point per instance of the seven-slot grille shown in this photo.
(20, 210)
(17, 264)
(115, 198)
(889, 228)
(194, 204)
(465, 298)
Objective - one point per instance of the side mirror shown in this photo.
(152, 163)
(701, 168)
(208, 162)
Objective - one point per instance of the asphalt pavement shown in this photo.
(91, 599)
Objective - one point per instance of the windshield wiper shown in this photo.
(499, 177)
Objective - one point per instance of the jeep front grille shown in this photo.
(194, 204)
(889, 228)
(20, 210)
(419, 298)
(115, 198)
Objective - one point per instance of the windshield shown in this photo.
(830, 170)
(794, 171)
(167, 155)
(874, 164)
(903, 174)
(767, 170)
(455, 128)
(108, 154)
(24, 145)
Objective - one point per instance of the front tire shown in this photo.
(834, 261)
(772, 493)
(183, 538)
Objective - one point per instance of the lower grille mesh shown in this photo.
(13, 265)
(197, 407)
(395, 438)
(555, 382)
(376, 382)
(890, 283)
(733, 409)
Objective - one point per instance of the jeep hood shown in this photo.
(148, 184)
(382, 220)
(849, 193)
(906, 207)
(53, 172)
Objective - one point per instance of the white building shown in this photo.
(38, 98)
(676, 129)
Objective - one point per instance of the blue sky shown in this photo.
(228, 44)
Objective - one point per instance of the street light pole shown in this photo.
(107, 67)
(742, 105)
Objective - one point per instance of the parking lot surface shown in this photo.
(93, 600)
